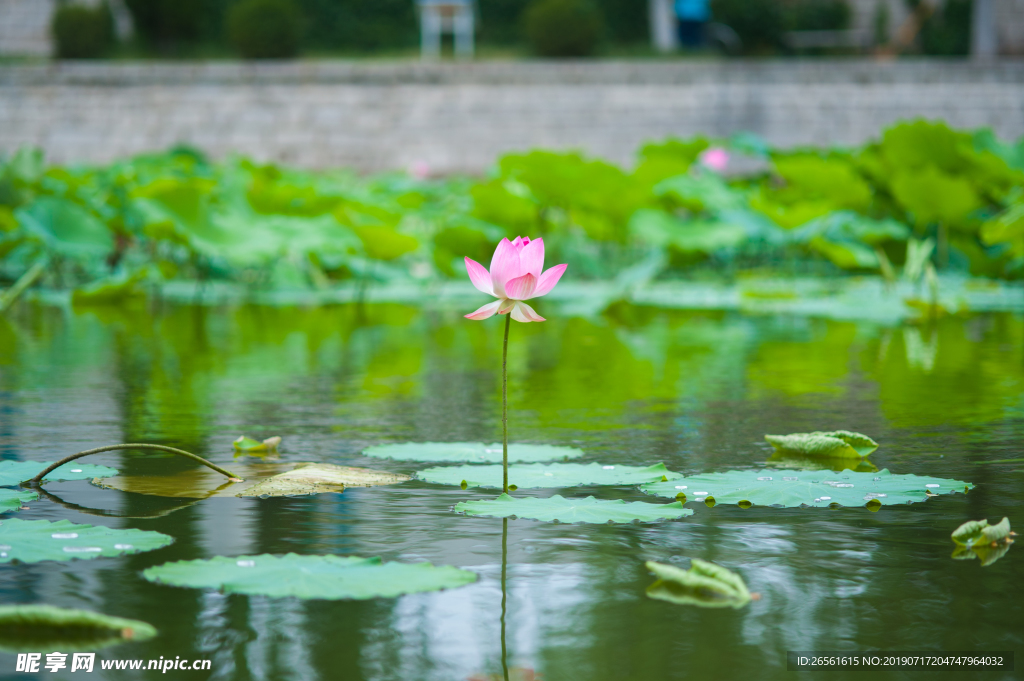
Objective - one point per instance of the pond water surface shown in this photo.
(637, 385)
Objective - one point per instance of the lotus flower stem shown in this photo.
(36, 481)
(504, 563)
(504, 408)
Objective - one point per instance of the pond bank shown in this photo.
(378, 115)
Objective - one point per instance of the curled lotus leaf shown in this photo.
(979, 532)
(832, 444)
(789, 489)
(538, 475)
(13, 499)
(32, 541)
(705, 584)
(559, 509)
(251, 446)
(471, 452)
(292, 575)
(45, 627)
(15, 472)
(259, 480)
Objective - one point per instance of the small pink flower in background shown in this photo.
(419, 169)
(515, 276)
(715, 158)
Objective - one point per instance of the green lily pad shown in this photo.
(13, 499)
(538, 475)
(831, 444)
(979, 532)
(559, 509)
(15, 472)
(327, 577)
(986, 553)
(260, 480)
(248, 445)
(705, 584)
(471, 452)
(32, 541)
(45, 627)
(806, 488)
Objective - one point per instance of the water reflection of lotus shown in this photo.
(786, 460)
(987, 554)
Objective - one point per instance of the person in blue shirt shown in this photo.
(692, 15)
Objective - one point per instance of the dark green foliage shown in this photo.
(164, 22)
(360, 25)
(625, 21)
(501, 21)
(81, 32)
(948, 31)
(758, 23)
(563, 28)
(265, 29)
(818, 15)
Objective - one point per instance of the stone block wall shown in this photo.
(461, 117)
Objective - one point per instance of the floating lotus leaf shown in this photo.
(986, 553)
(810, 488)
(538, 475)
(250, 446)
(32, 541)
(45, 627)
(15, 472)
(832, 444)
(557, 508)
(275, 480)
(327, 577)
(704, 584)
(12, 499)
(979, 532)
(471, 452)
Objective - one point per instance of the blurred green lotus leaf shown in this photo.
(66, 228)
(14, 472)
(321, 577)
(705, 585)
(976, 532)
(470, 452)
(13, 499)
(539, 475)
(831, 444)
(560, 509)
(114, 290)
(45, 627)
(248, 445)
(32, 541)
(791, 488)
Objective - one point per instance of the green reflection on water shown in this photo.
(697, 390)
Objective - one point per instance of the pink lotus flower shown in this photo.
(515, 276)
(715, 158)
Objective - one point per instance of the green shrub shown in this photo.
(81, 32)
(265, 29)
(758, 23)
(947, 32)
(165, 22)
(818, 15)
(563, 28)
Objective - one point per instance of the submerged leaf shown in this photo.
(704, 584)
(31, 541)
(45, 627)
(248, 445)
(538, 475)
(276, 479)
(327, 577)
(833, 444)
(800, 488)
(559, 509)
(15, 472)
(471, 452)
(976, 532)
(12, 499)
